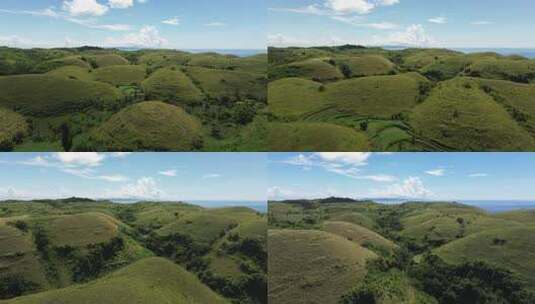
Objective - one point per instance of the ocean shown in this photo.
(492, 206)
(259, 206)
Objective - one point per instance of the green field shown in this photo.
(441, 100)
(67, 96)
(339, 250)
(83, 251)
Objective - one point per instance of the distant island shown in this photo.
(82, 250)
(356, 98)
(97, 99)
(332, 252)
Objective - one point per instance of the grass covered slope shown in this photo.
(313, 266)
(151, 280)
(460, 115)
(75, 250)
(43, 95)
(150, 125)
(434, 99)
(424, 253)
(506, 247)
(171, 85)
(65, 94)
(13, 128)
(314, 137)
(120, 75)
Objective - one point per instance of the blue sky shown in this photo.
(429, 176)
(199, 24)
(165, 176)
(452, 23)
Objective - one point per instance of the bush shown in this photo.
(14, 286)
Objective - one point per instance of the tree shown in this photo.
(346, 70)
(66, 137)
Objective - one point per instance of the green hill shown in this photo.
(72, 72)
(151, 280)
(452, 115)
(314, 137)
(226, 84)
(66, 94)
(407, 100)
(522, 216)
(313, 266)
(40, 95)
(360, 235)
(507, 247)
(13, 128)
(120, 75)
(172, 85)
(150, 125)
(315, 69)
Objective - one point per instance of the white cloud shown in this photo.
(438, 20)
(120, 154)
(172, 21)
(482, 22)
(339, 7)
(168, 172)
(411, 187)
(90, 23)
(436, 172)
(357, 21)
(91, 159)
(84, 8)
(278, 193)
(354, 158)
(216, 24)
(211, 175)
(474, 175)
(148, 36)
(414, 35)
(346, 164)
(143, 188)
(121, 3)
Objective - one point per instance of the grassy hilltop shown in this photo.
(339, 250)
(78, 250)
(72, 99)
(404, 100)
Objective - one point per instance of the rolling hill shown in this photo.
(415, 253)
(431, 99)
(79, 250)
(65, 94)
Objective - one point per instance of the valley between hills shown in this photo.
(339, 250)
(84, 251)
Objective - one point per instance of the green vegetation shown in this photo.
(431, 99)
(147, 126)
(67, 97)
(79, 250)
(412, 253)
(13, 128)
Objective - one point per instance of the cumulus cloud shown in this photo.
(143, 188)
(414, 35)
(436, 172)
(91, 159)
(172, 21)
(148, 36)
(84, 7)
(411, 187)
